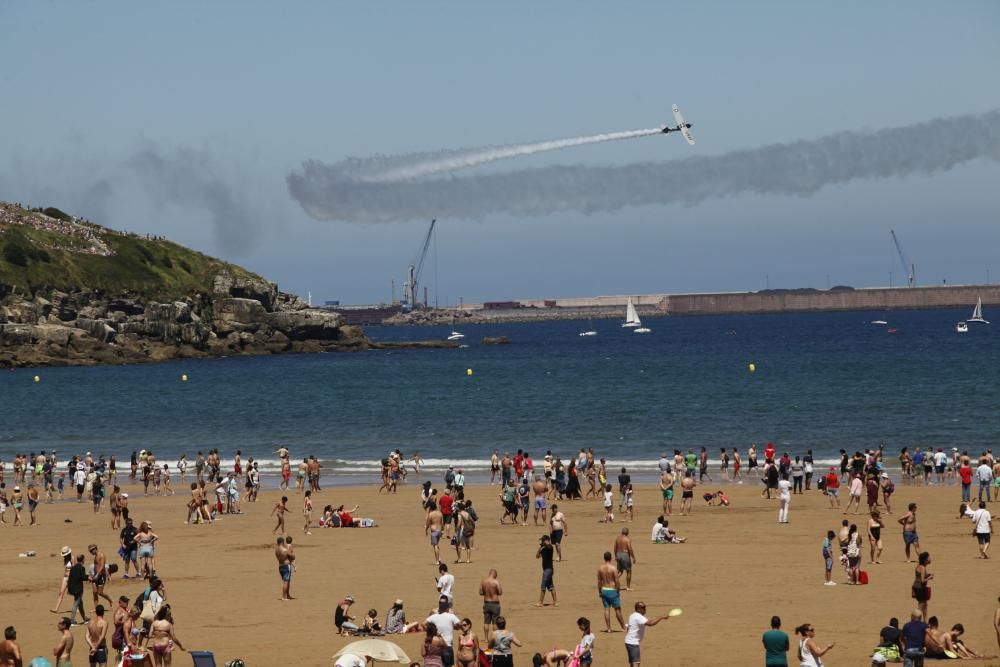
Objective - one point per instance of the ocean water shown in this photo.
(823, 381)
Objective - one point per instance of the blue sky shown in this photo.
(242, 92)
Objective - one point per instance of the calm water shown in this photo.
(823, 381)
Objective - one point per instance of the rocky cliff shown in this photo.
(75, 293)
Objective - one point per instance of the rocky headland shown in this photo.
(76, 293)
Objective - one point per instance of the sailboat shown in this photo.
(632, 320)
(977, 312)
(589, 331)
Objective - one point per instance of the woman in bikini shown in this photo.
(468, 645)
(162, 639)
(145, 540)
(67, 555)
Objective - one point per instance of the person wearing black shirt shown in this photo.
(74, 586)
(129, 547)
(545, 551)
(889, 635)
(623, 480)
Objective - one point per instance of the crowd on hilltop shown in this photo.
(92, 243)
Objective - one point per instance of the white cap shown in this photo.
(124, 495)
(878, 659)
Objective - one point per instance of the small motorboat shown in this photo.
(962, 327)
(456, 336)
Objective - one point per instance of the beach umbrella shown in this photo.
(378, 650)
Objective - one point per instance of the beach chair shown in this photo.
(203, 658)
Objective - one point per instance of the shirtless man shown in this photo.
(608, 585)
(97, 637)
(194, 504)
(491, 591)
(465, 530)
(538, 488)
(10, 650)
(63, 651)
(284, 557)
(909, 524)
(737, 463)
(433, 526)
(100, 576)
(625, 557)
(559, 530)
(687, 494)
(667, 488)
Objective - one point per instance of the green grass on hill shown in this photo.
(39, 260)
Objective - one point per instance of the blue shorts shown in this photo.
(435, 537)
(556, 536)
(540, 503)
(610, 598)
(833, 492)
(286, 572)
(547, 583)
(910, 537)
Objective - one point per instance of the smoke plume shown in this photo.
(400, 188)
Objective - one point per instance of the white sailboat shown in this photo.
(977, 312)
(632, 320)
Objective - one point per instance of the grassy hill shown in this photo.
(47, 249)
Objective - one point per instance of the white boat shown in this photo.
(879, 322)
(456, 336)
(962, 327)
(631, 317)
(977, 312)
(642, 330)
(588, 332)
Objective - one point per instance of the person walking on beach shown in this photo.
(307, 512)
(855, 490)
(100, 574)
(279, 511)
(984, 473)
(875, 526)
(909, 524)
(545, 552)
(74, 586)
(775, 643)
(828, 558)
(433, 527)
(833, 488)
(687, 494)
(981, 520)
(737, 463)
(637, 624)
(888, 488)
(853, 554)
(624, 557)
(559, 529)
(538, 488)
(608, 587)
(809, 651)
(491, 590)
(445, 584)
(784, 499)
(10, 650)
(284, 557)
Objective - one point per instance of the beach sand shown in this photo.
(738, 568)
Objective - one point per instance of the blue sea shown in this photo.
(823, 381)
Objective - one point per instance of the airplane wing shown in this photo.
(682, 125)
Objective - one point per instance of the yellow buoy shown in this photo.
(184, 377)
(468, 371)
(38, 379)
(753, 367)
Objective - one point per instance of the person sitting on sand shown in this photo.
(342, 617)
(959, 647)
(371, 625)
(936, 641)
(662, 534)
(557, 657)
(719, 496)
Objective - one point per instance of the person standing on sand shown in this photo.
(853, 554)
(828, 558)
(279, 511)
(284, 558)
(984, 473)
(775, 645)
(545, 552)
(856, 489)
(784, 499)
(100, 576)
(491, 590)
(667, 489)
(737, 464)
(97, 633)
(687, 494)
(809, 651)
(875, 526)
(609, 505)
(559, 529)
(833, 488)
(921, 583)
(981, 519)
(10, 650)
(300, 476)
(996, 621)
(608, 587)
(909, 524)
(445, 585)
(637, 624)
(538, 488)
(307, 512)
(624, 557)
(433, 526)
(74, 586)
(63, 651)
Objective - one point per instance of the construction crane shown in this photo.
(908, 268)
(410, 290)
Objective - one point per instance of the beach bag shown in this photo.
(821, 484)
(863, 578)
(118, 638)
(147, 611)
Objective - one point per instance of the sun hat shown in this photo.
(65, 551)
(124, 495)
(349, 598)
(399, 602)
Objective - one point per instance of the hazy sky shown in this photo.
(186, 118)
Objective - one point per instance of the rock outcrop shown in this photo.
(240, 316)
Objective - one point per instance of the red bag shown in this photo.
(863, 578)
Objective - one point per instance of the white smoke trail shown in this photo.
(476, 157)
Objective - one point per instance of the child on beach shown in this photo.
(307, 511)
(61, 484)
(609, 515)
(629, 512)
(167, 491)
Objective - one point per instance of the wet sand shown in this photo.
(738, 568)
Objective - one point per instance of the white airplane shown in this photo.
(682, 126)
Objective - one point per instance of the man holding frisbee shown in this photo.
(637, 624)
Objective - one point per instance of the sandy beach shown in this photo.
(738, 568)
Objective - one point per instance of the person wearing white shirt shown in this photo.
(637, 624)
(784, 500)
(981, 518)
(445, 584)
(445, 622)
(984, 473)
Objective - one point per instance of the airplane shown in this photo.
(682, 126)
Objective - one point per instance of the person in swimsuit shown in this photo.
(67, 555)
(667, 488)
(285, 557)
(162, 639)
(63, 651)
(875, 526)
(625, 557)
(97, 637)
(468, 645)
(307, 512)
(921, 583)
(279, 511)
(433, 647)
(491, 590)
(145, 539)
(608, 585)
(32, 503)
